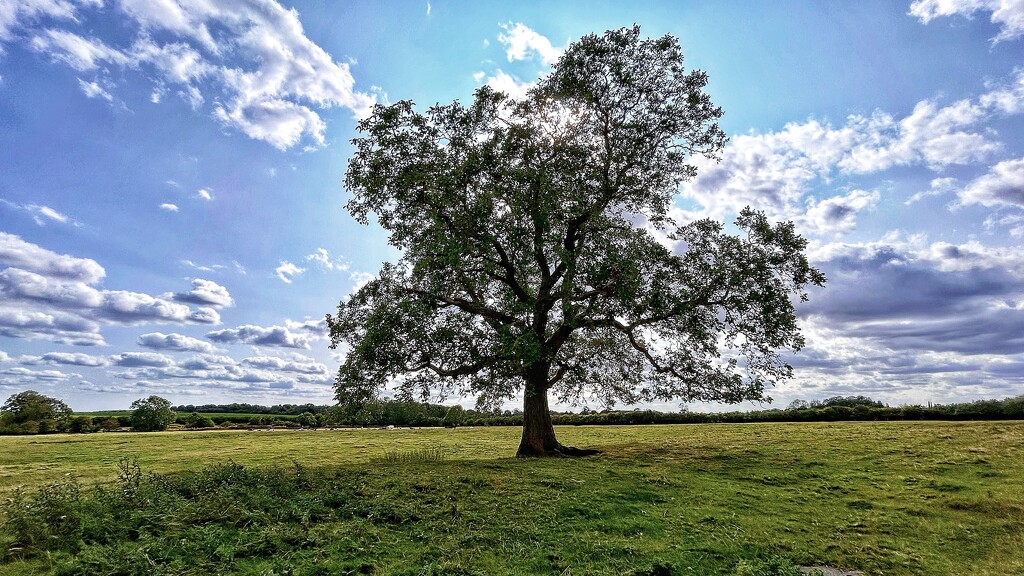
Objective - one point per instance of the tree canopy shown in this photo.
(538, 252)
(31, 412)
(151, 414)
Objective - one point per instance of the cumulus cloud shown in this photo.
(27, 256)
(301, 365)
(323, 259)
(52, 296)
(288, 271)
(207, 362)
(206, 292)
(150, 359)
(904, 319)
(276, 336)
(936, 187)
(774, 171)
(66, 358)
(502, 81)
(22, 377)
(175, 342)
(838, 214)
(1007, 14)
(906, 293)
(55, 325)
(1003, 185)
(169, 207)
(521, 42)
(253, 57)
(314, 329)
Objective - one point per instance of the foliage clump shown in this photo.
(151, 414)
(30, 412)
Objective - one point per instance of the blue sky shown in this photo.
(171, 199)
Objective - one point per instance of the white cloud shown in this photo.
(27, 256)
(252, 55)
(932, 135)
(774, 171)
(25, 377)
(204, 194)
(1002, 185)
(936, 187)
(836, 215)
(94, 90)
(52, 296)
(1006, 97)
(176, 342)
(1014, 223)
(136, 359)
(361, 279)
(214, 268)
(288, 271)
(82, 54)
(169, 207)
(13, 14)
(42, 214)
(66, 358)
(314, 329)
(1007, 14)
(521, 42)
(503, 82)
(56, 325)
(323, 259)
(302, 365)
(205, 292)
(277, 336)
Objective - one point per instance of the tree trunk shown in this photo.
(538, 432)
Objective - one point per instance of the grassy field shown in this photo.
(884, 498)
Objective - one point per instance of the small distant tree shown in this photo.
(455, 416)
(307, 420)
(798, 405)
(151, 414)
(196, 420)
(81, 424)
(109, 424)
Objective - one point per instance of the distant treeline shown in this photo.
(236, 408)
(839, 408)
(33, 413)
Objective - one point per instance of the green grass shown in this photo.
(885, 498)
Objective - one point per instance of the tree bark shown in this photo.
(538, 432)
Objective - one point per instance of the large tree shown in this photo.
(535, 238)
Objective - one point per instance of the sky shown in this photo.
(172, 213)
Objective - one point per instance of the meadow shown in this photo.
(890, 498)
